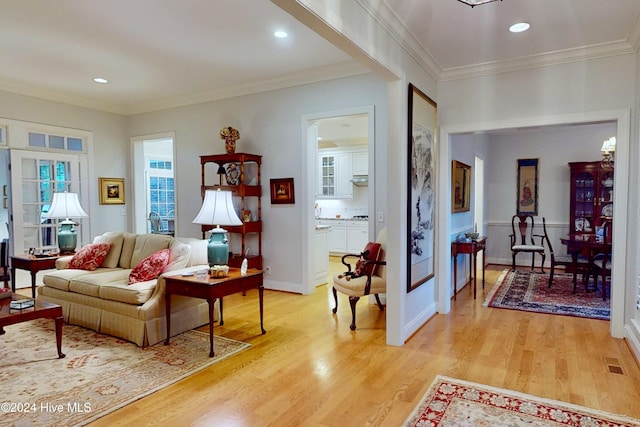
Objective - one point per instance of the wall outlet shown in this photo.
(267, 270)
(380, 216)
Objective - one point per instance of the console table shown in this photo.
(211, 288)
(471, 247)
(32, 264)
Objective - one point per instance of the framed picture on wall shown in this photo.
(421, 209)
(460, 187)
(111, 191)
(527, 190)
(282, 191)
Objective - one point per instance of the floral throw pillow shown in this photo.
(90, 257)
(150, 267)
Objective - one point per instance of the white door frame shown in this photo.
(621, 244)
(309, 187)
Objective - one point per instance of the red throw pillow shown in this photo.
(90, 257)
(150, 267)
(370, 253)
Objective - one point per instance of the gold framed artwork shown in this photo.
(527, 190)
(460, 187)
(421, 198)
(111, 191)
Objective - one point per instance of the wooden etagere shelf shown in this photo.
(240, 174)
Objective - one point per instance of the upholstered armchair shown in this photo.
(364, 277)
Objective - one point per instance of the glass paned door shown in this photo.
(38, 175)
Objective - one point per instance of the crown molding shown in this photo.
(63, 97)
(393, 25)
(564, 56)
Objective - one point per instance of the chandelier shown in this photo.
(608, 152)
(473, 3)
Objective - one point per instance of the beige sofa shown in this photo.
(103, 300)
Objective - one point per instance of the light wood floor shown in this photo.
(309, 369)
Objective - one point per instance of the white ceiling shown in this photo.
(175, 52)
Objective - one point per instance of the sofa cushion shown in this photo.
(121, 291)
(128, 246)
(147, 244)
(89, 284)
(116, 239)
(60, 279)
(180, 253)
(150, 267)
(199, 252)
(90, 257)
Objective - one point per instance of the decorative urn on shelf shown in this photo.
(230, 136)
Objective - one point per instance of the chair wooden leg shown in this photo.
(513, 261)
(533, 260)
(380, 306)
(335, 297)
(353, 301)
(551, 272)
(544, 257)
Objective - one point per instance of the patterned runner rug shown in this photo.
(529, 291)
(457, 403)
(98, 375)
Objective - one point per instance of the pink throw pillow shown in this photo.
(90, 257)
(150, 267)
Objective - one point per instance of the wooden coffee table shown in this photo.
(41, 310)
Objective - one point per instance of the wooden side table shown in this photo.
(33, 264)
(471, 247)
(210, 288)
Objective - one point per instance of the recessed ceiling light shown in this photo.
(280, 34)
(100, 80)
(519, 27)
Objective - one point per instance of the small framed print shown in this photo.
(282, 191)
(461, 187)
(111, 191)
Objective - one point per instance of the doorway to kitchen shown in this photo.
(338, 188)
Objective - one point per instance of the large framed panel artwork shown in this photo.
(527, 191)
(422, 143)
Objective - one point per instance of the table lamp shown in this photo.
(66, 205)
(217, 209)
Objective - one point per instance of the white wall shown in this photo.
(270, 125)
(111, 138)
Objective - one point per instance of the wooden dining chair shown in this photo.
(524, 239)
(602, 262)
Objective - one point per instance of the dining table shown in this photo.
(589, 245)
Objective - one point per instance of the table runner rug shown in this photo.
(529, 291)
(458, 403)
(99, 374)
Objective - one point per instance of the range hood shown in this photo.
(360, 180)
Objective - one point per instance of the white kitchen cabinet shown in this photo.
(322, 255)
(335, 170)
(357, 236)
(338, 237)
(326, 176)
(344, 186)
(361, 163)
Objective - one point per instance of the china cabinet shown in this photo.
(591, 202)
(240, 174)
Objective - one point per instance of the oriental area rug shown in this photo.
(98, 375)
(457, 403)
(529, 291)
